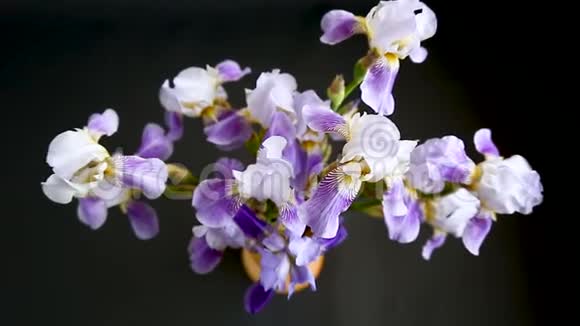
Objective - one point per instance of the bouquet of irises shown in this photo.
(286, 209)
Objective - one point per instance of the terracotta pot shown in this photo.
(251, 262)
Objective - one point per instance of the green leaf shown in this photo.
(253, 144)
(335, 91)
(179, 192)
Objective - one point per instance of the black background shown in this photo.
(61, 62)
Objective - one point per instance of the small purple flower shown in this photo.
(437, 161)
(508, 185)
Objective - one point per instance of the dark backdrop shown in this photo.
(60, 62)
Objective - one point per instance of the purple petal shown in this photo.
(250, 224)
(274, 242)
(377, 86)
(203, 259)
(341, 235)
(337, 26)
(308, 97)
(484, 144)
(402, 214)
(330, 198)
(105, 123)
(274, 270)
(297, 157)
(281, 125)
(256, 298)
(308, 164)
(174, 122)
(305, 249)
(230, 132)
(435, 242)
(148, 175)
(143, 220)
(224, 167)
(290, 220)
(92, 211)
(230, 70)
(321, 118)
(214, 204)
(154, 143)
(300, 275)
(475, 232)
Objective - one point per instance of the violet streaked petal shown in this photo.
(256, 298)
(154, 143)
(105, 123)
(377, 86)
(475, 233)
(338, 25)
(230, 70)
(321, 118)
(174, 122)
(281, 125)
(92, 211)
(308, 97)
(433, 243)
(148, 175)
(202, 258)
(341, 235)
(214, 203)
(230, 132)
(333, 195)
(300, 275)
(250, 224)
(484, 144)
(290, 220)
(143, 219)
